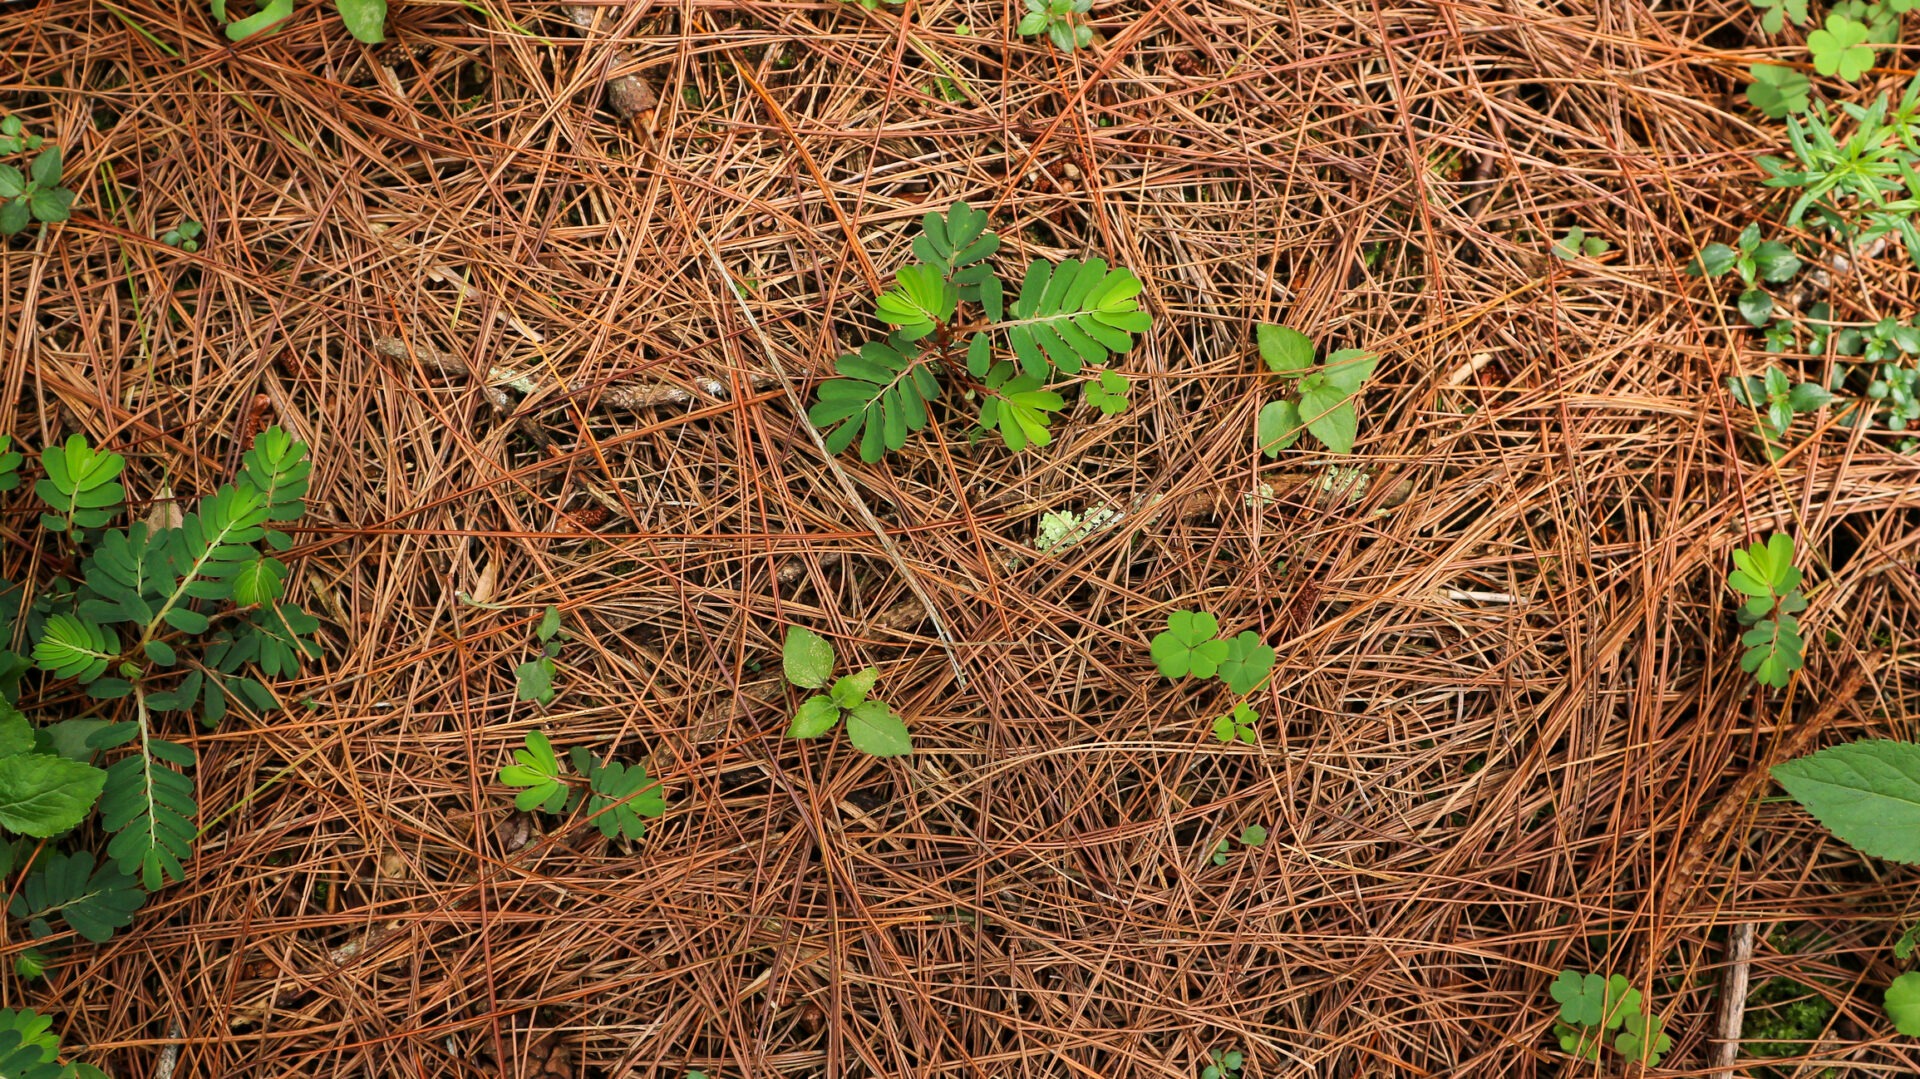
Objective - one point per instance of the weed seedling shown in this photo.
(1063, 21)
(185, 236)
(35, 195)
(1756, 261)
(1066, 320)
(616, 795)
(1237, 726)
(1223, 1065)
(364, 19)
(1327, 392)
(1253, 835)
(1780, 401)
(533, 680)
(871, 725)
(1765, 574)
(156, 619)
(1576, 243)
(1591, 1006)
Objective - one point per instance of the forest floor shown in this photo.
(550, 335)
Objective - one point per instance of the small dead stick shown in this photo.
(1733, 996)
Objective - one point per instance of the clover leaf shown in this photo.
(1188, 647)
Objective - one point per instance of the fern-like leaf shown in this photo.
(92, 902)
(71, 647)
(1019, 408)
(277, 467)
(148, 806)
(208, 550)
(620, 795)
(959, 245)
(22, 1059)
(883, 395)
(127, 572)
(80, 487)
(9, 464)
(1074, 314)
(34, 1028)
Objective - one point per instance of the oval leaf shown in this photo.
(1867, 793)
(807, 658)
(43, 795)
(875, 730)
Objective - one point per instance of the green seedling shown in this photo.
(185, 236)
(1591, 1006)
(808, 659)
(1327, 392)
(1764, 573)
(1779, 400)
(1067, 319)
(616, 795)
(35, 195)
(1576, 243)
(1755, 261)
(1253, 835)
(1777, 91)
(1063, 21)
(533, 680)
(1237, 726)
(364, 19)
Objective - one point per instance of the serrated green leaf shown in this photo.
(1866, 793)
(816, 716)
(43, 795)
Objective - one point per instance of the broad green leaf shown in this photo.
(364, 18)
(850, 691)
(1286, 351)
(1278, 427)
(1330, 415)
(875, 730)
(1714, 260)
(45, 169)
(816, 716)
(807, 658)
(1903, 1003)
(1755, 306)
(43, 795)
(1866, 793)
(16, 734)
(12, 183)
(1346, 369)
(273, 11)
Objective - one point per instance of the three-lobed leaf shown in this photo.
(1247, 661)
(1840, 48)
(1187, 646)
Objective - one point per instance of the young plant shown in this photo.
(1063, 21)
(14, 138)
(807, 659)
(533, 680)
(1780, 400)
(29, 1049)
(1765, 574)
(1237, 726)
(1756, 261)
(35, 195)
(617, 795)
(185, 236)
(1576, 243)
(1327, 392)
(1867, 793)
(363, 19)
(1777, 91)
(1253, 835)
(1853, 182)
(1223, 1065)
(186, 618)
(1591, 1006)
(1066, 320)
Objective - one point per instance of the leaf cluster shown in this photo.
(33, 195)
(185, 236)
(1779, 400)
(1764, 573)
(808, 659)
(1591, 1006)
(29, 1049)
(1327, 392)
(533, 680)
(185, 618)
(616, 795)
(1755, 261)
(1223, 1065)
(1190, 645)
(1063, 21)
(364, 19)
(1066, 318)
